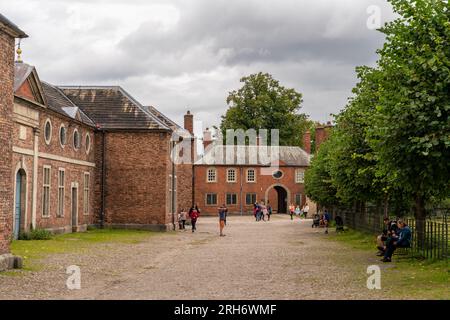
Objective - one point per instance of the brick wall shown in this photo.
(6, 103)
(137, 178)
(263, 186)
(74, 173)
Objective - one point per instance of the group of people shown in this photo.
(193, 214)
(300, 212)
(396, 234)
(261, 211)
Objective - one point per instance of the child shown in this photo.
(183, 217)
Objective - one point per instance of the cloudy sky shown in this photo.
(188, 54)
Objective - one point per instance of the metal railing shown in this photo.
(430, 237)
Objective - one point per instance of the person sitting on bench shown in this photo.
(403, 240)
(390, 228)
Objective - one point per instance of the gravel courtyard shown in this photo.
(280, 259)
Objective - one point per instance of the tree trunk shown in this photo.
(420, 215)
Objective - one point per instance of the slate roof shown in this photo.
(254, 156)
(111, 107)
(57, 101)
(21, 73)
(12, 28)
(167, 121)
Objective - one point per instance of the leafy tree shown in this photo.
(410, 131)
(318, 183)
(262, 103)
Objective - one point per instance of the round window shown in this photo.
(48, 131)
(277, 174)
(63, 135)
(76, 139)
(88, 143)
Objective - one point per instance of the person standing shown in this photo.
(291, 211)
(264, 212)
(183, 217)
(222, 218)
(269, 211)
(306, 210)
(326, 220)
(194, 213)
(297, 211)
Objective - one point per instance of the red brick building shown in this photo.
(8, 33)
(242, 180)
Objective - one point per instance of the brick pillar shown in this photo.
(6, 105)
(307, 142)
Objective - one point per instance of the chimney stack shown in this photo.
(307, 142)
(189, 122)
(207, 138)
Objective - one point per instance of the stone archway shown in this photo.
(283, 197)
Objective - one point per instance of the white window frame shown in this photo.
(61, 192)
(212, 204)
(73, 139)
(301, 199)
(254, 175)
(47, 141)
(208, 175)
(231, 194)
(252, 193)
(299, 176)
(86, 192)
(44, 188)
(60, 141)
(86, 144)
(228, 175)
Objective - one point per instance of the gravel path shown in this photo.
(279, 259)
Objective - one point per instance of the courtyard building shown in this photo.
(238, 178)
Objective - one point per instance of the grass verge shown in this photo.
(33, 250)
(405, 277)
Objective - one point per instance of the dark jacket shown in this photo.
(404, 237)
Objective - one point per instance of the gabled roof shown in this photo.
(254, 156)
(167, 121)
(11, 28)
(26, 76)
(57, 101)
(111, 107)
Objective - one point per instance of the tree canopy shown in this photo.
(262, 103)
(393, 137)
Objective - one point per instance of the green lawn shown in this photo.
(405, 277)
(33, 250)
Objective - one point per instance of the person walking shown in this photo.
(226, 213)
(194, 213)
(183, 217)
(291, 211)
(269, 211)
(297, 211)
(264, 212)
(326, 220)
(222, 219)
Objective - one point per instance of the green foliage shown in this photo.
(262, 103)
(392, 141)
(37, 234)
(318, 183)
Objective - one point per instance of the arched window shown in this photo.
(87, 144)
(211, 175)
(62, 135)
(76, 139)
(48, 131)
(231, 175)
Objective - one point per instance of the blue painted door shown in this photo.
(18, 207)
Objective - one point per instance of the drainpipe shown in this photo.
(173, 185)
(241, 177)
(102, 214)
(35, 178)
